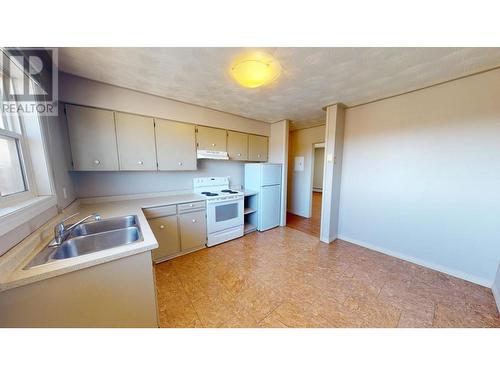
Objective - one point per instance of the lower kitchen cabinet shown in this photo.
(120, 293)
(178, 228)
(193, 228)
(165, 230)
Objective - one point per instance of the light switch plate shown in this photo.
(299, 163)
(329, 158)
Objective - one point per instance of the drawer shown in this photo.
(160, 211)
(193, 206)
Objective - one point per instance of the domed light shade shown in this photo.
(255, 70)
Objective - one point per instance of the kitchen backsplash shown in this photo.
(95, 184)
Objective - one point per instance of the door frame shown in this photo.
(311, 177)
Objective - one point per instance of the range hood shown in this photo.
(209, 154)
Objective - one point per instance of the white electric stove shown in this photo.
(224, 209)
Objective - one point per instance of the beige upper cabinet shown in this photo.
(257, 148)
(211, 139)
(175, 145)
(135, 136)
(92, 138)
(237, 145)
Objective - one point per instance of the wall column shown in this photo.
(334, 142)
(278, 153)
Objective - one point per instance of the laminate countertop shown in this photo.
(13, 275)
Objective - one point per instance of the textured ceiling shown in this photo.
(311, 77)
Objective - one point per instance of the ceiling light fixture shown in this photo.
(255, 69)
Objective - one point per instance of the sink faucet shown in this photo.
(61, 232)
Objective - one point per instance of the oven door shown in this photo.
(223, 215)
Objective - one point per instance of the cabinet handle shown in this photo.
(162, 226)
(238, 154)
(140, 162)
(180, 163)
(213, 144)
(194, 220)
(191, 205)
(97, 162)
(258, 155)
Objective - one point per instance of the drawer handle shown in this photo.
(194, 220)
(140, 162)
(162, 226)
(213, 144)
(180, 163)
(97, 162)
(191, 205)
(238, 154)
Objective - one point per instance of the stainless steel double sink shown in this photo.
(90, 237)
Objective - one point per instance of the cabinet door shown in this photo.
(193, 228)
(237, 145)
(166, 233)
(92, 138)
(257, 148)
(135, 136)
(175, 145)
(211, 139)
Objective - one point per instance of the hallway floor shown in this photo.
(312, 225)
(286, 278)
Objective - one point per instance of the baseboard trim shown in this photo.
(437, 267)
(496, 294)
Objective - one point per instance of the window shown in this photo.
(15, 172)
(12, 178)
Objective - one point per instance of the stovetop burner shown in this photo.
(209, 194)
(229, 191)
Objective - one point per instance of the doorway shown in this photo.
(312, 224)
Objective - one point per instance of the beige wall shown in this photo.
(496, 288)
(421, 176)
(300, 183)
(95, 184)
(278, 153)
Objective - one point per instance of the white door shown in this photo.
(270, 207)
(271, 174)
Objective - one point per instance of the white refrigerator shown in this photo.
(265, 178)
